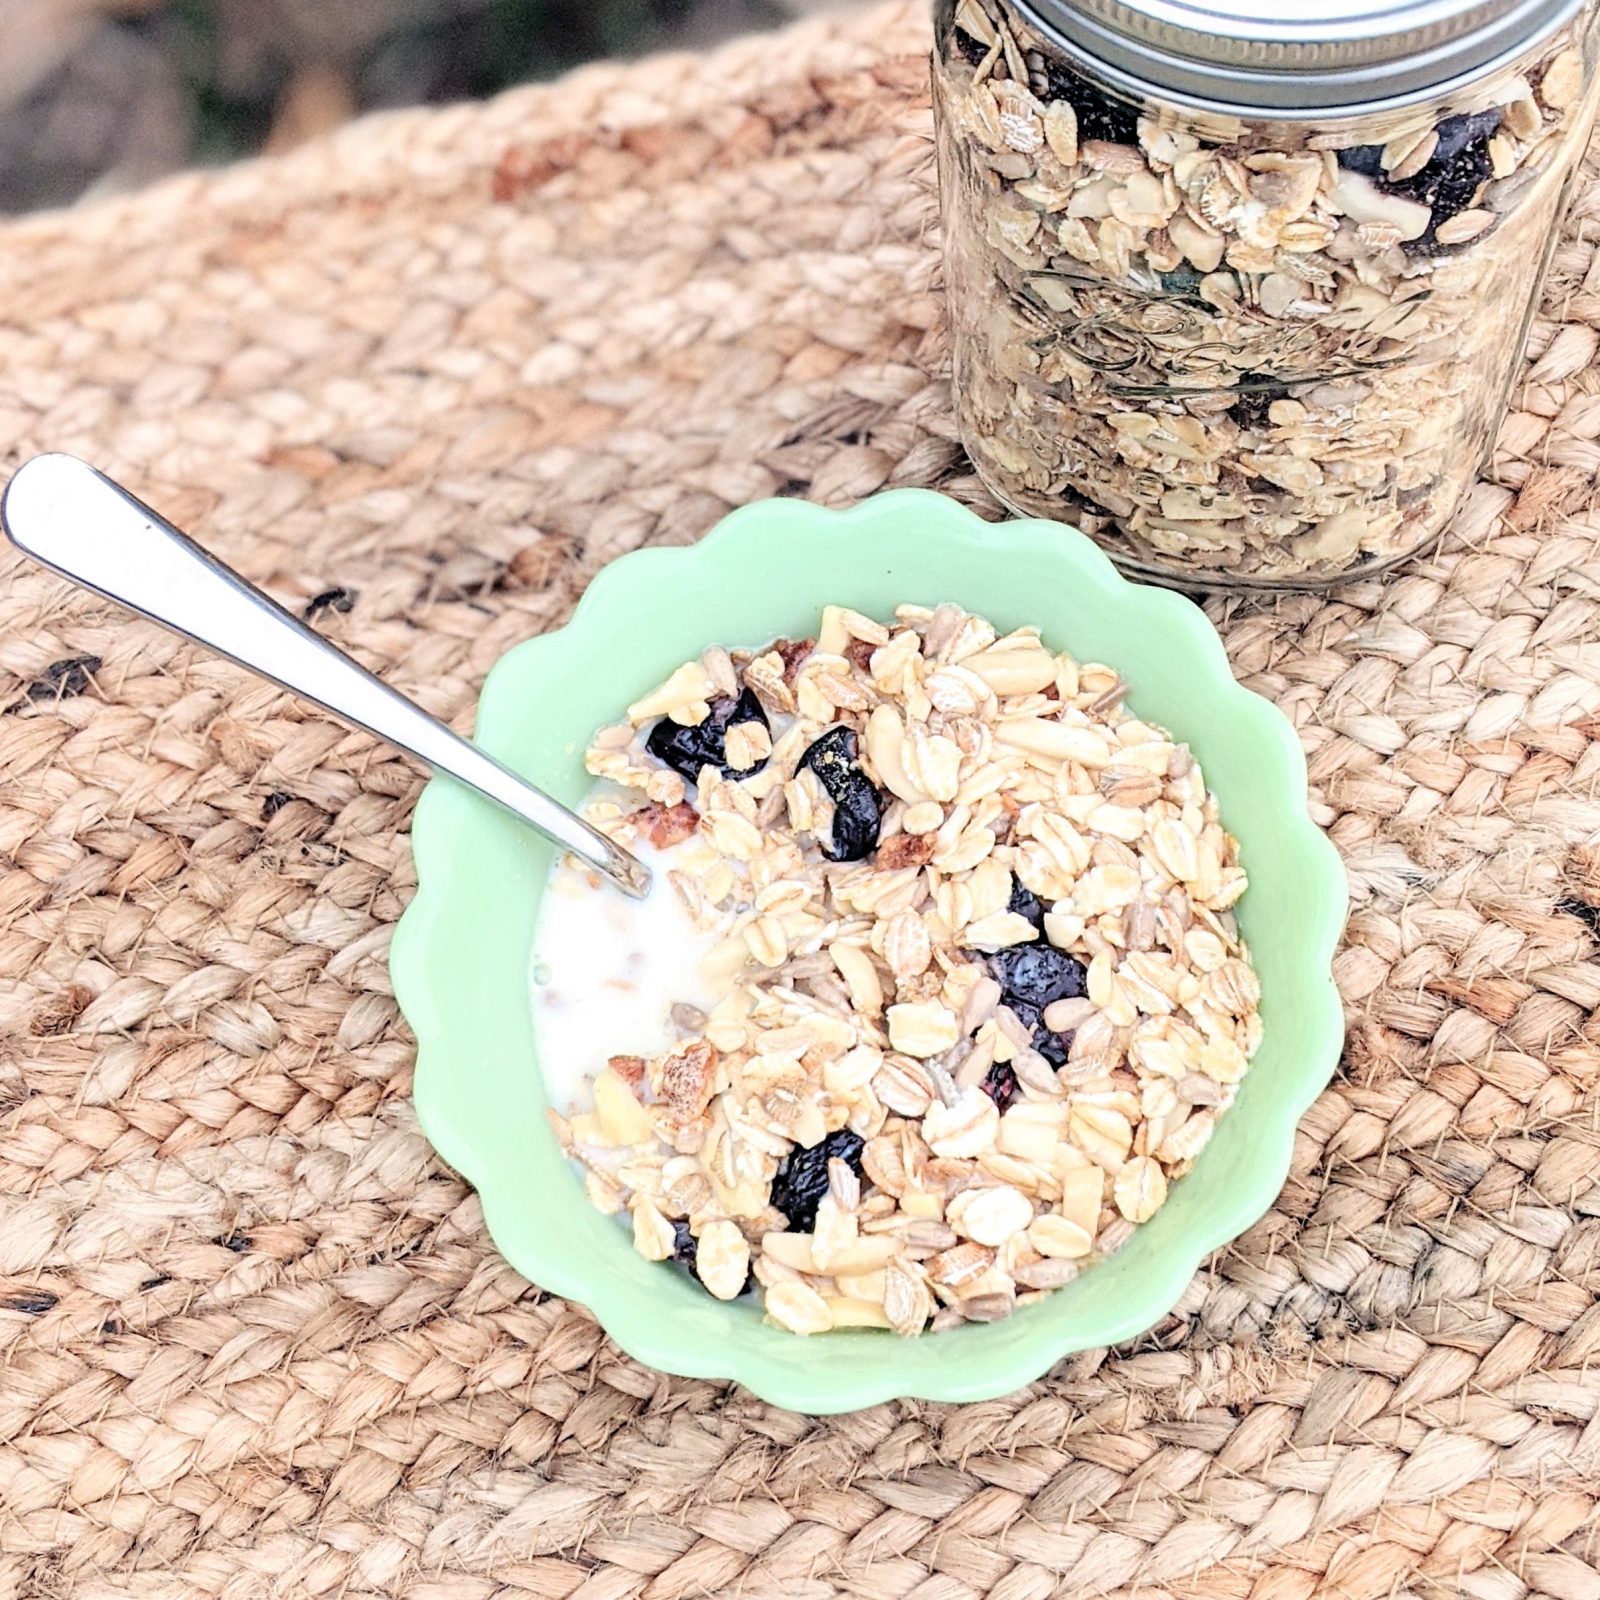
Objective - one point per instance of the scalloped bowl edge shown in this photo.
(426, 928)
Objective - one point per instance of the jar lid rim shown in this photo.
(1274, 56)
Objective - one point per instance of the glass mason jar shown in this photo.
(1243, 295)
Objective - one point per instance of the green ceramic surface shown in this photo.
(461, 953)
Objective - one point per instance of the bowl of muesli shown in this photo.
(985, 974)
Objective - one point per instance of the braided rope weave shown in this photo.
(423, 380)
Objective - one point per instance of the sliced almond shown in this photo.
(1010, 671)
(622, 1119)
(860, 975)
(798, 1307)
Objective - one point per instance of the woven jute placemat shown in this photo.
(422, 381)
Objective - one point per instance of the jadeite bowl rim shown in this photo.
(657, 1328)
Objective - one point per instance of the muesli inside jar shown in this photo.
(942, 967)
(1236, 348)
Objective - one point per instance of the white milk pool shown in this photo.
(607, 970)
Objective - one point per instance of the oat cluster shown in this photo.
(1270, 350)
(983, 996)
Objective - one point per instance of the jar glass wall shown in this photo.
(1241, 349)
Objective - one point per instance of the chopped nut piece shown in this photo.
(906, 850)
(684, 1077)
(1562, 81)
(1063, 1016)
(1013, 671)
(1082, 1195)
(629, 1068)
(665, 826)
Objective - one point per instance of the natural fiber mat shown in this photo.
(423, 380)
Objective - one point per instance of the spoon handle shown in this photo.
(79, 523)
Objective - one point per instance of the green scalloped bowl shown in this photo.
(461, 953)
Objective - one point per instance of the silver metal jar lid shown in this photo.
(1280, 57)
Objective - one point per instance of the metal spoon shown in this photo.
(79, 523)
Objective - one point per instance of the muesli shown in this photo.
(1271, 351)
(978, 994)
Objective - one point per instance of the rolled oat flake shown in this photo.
(1240, 286)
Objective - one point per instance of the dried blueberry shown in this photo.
(1036, 974)
(1184, 280)
(685, 1247)
(1256, 391)
(1456, 133)
(975, 51)
(1448, 189)
(687, 750)
(1031, 976)
(1367, 159)
(855, 822)
(1100, 116)
(1028, 1015)
(1449, 183)
(1000, 1085)
(802, 1179)
(1052, 1046)
(1025, 903)
(857, 809)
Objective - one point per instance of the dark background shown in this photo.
(97, 95)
